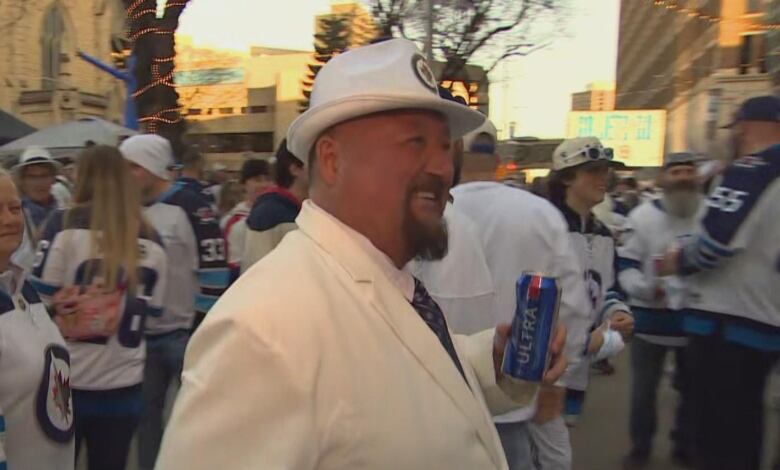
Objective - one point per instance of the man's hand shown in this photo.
(596, 339)
(557, 360)
(499, 345)
(623, 323)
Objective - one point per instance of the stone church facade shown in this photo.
(42, 79)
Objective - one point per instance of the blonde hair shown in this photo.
(105, 186)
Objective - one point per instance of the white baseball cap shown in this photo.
(580, 150)
(35, 155)
(152, 152)
(380, 77)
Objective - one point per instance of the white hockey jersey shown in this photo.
(522, 232)
(36, 410)
(198, 272)
(595, 248)
(64, 258)
(734, 265)
(651, 230)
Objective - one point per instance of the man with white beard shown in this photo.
(656, 303)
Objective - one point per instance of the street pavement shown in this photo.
(601, 440)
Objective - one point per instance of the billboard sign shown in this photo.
(637, 137)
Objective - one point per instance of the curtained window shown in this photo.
(51, 47)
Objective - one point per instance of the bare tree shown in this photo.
(391, 15)
(478, 31)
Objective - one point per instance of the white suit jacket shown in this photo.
(315, 360)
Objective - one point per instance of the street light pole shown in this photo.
(429, 30)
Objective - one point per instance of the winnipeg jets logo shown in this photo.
(60, 393)
(424, 73)
(54, 405)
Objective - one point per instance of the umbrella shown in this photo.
(69, 137)
(12, 128)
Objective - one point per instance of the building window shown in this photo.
(194, 112)
(52, 47)
(244, 110)
(258, 109)
(752, 54)
(235, 143)
(754, 6)
(225, 110)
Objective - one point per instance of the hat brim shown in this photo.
(57, 165)
(307, 127)
(614, 164)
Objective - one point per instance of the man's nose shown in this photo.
(440, 162)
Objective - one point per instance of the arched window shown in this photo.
(52, 47)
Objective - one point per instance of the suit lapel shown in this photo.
(402, 319)
(417, 337)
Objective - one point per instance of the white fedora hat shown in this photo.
(381, 77)
(35, 155)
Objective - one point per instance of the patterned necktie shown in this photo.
(430, 312)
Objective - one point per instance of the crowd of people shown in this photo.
(371, 269)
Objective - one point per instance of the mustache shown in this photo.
(431, 184)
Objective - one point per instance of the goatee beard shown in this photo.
(427, 242)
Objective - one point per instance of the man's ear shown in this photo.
(327, 159)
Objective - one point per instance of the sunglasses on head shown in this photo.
(594, 153)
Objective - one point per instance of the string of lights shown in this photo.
(674, 6)
(135, 12)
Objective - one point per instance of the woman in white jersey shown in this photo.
(36, 412)
(577, 184)
(104, 268)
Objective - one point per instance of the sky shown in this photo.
(534, 92)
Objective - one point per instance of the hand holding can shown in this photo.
(528, 349)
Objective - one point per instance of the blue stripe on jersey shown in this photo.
(705, 262)
(44, 288)
(699, 326)
(751, 338)
(203, 303)
(628, 263)
(217, 278)
(708, 244)
(656, 321)
(613, 296)
(155, 312)
(30, 294)
(736, 330)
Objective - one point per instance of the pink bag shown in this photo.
(93, 315)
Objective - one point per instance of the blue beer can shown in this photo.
(527, 352)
